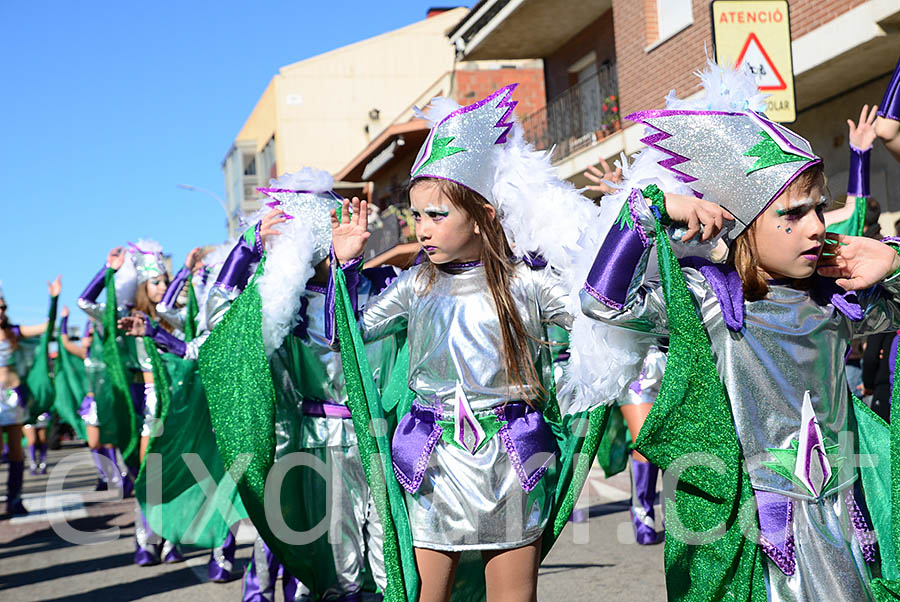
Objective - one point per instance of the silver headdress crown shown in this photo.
(149, 261)
(306, 195)
(464, 147)
(737, 159)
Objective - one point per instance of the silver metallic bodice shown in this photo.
(7, 354)
(454, 335)
(789, 344)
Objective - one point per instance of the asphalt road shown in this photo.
(596, 560)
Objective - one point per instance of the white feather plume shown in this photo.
(288, 268)
(436, 110)
(307, 179)
(725, 89)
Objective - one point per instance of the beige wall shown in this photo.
(320, 106)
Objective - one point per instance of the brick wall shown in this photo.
(474, 84)
(646, 77)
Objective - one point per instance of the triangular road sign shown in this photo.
(754, 55)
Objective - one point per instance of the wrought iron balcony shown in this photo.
(579, 117)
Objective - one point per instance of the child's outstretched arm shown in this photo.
(887, 126)
(614, 291)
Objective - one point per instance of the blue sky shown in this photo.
(106, 106)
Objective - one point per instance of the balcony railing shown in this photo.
(579, 117)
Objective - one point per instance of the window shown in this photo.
(665, 18)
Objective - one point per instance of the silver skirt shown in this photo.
(476, 502)
(11, 407)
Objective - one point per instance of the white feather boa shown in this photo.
(288, 268)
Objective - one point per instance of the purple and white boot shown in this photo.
(170, 553)
(146, 542)
(32, 464)
(221, 561)
(643, 496)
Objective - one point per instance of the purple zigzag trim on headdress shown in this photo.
(506, 92)
(653, 140)
(506, 121)
(674, 159)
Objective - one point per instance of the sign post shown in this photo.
(757, 33)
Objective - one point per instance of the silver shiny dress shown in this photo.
(478, 493)
(12, 399)
(790, 344)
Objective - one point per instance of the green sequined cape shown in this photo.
(578, 437)
(39, 379)
(176, 489)
(118, 421)
(691, 420)
(70, 387)
(246, 407)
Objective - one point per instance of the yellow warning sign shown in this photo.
(757, 33)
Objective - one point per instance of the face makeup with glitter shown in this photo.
(800, 218)
(446, 232)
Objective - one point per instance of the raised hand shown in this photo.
(597, 176)
(349, 235)
(858, 262)
(55, 287)
(193, 260)
(267, 226)
(115, 258)
(134, 325)
(695, 212)
(65, 312)
(863, 135)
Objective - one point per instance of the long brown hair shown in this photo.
(143, 304)
(743, 257)
(7, 329)
(499, 270)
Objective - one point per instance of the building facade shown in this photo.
(320, 111)
(843, 55)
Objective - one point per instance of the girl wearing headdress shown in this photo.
(136, 279)
(475, 452)
(15, 383)
(754, 421)
(277, 399)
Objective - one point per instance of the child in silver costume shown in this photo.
(779, 316)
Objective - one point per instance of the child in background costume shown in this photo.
(475, 455)
(297, 386)
(139, 286)
(14, 389)
(754, 380)
(186, 426)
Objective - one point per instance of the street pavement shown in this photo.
(592, 561)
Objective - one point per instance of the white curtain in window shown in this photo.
(673, 15)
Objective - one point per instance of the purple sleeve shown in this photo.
(890, 103)
(623, 254)
(174, 289)
(64, 326)
(858, 182)
(352, 276)
(92, 291)
(235, 271)
(17, 332)
(164, 339)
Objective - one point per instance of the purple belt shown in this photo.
(325, 409)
